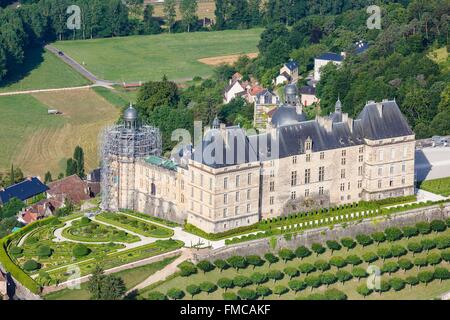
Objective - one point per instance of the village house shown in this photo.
(40, 210)
(25, 191)
(325, 59)
(308, 95)
(288, 73)
(72, 189)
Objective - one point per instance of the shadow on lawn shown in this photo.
(33, 59)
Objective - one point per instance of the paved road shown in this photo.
(432, 163)
(13, 93)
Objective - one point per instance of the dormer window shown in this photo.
(308, 144)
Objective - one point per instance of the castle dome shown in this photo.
(286, 115)
(291, 90)
(130, 114)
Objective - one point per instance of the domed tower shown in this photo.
(216, 123)
(291, 94)
(122, 146)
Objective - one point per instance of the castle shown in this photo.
(231, 179)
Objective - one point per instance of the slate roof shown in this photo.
(308, 90)
(330, 56)
(360, 47)
(286, 115)
(23, 190)
(291, 65)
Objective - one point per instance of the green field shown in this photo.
(42, 70)
(438, 186)
(143, 58)
(131, 277)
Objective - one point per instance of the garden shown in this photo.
(413, 262)
(438, 186)
(137, 225)
(88, 231)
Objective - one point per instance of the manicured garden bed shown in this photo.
(144, 228)
(438, 186)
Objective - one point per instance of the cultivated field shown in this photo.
(37, 142)
(215, 61)
(42, 70)
(206, 9)
(143, 58)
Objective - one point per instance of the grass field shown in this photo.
(441, 57)
(143, 58)
(42, 70)
(131, 277)
(37, 142)
(438, 186)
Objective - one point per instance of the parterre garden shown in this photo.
(137, 225)
(413, 262)
(438, 186)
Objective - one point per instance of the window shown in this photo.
(237, 196)
(293, 195)
(210, 198)
(392, 154)
(381, 155)
(391, 183)
(272, 174)
(210, 183)
(342, 173)
(182, 198)
(361, 149)
(361, 158)
(342, 187)
(307, 176)
(403, 180)
(249, 207)
(360, 171)
(379, 184)
(308, 145)
(405, 151)
(225, 212)
(344, 153)
(321, 174)
(359, 184)
(380, 171)
(225, 198)
(272, 186)
(192, 192)
(391, 170)
(343, 161)
(349, 185)
(238, 181)
(322, 155)
(249, 178)
(225, 183)
(236, 211)
(320, 191)
(308, 158)
(271, 200)
(307, 193)
(294, 159)
(248, 194)
(201, 180)
(182, 184)
(201, 195)
(403, 167)
(293, 178)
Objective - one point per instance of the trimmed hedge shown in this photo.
(10, 266)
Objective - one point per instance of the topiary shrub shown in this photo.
(31, 265)
(80, 250)
(16, 251)
(84, 221)
(44, 251)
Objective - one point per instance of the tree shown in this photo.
(338, 262)
(271, 258)
(359, 273)
(280, 290)
(151, 25)
(370, 257)
(187, 268)
(349, 243)
(230, 296)
(220, 14)
(31, 265)
(428, 244)
(425, 277)
(302, 252)
(112, 288)
(11, 208)
(71, 167)
(237, 262)
(393, 234)
(398, 251)
(225, 283)
(438, 225)
(193, 290)
(420, 262)
(291, 272)
(313, 281)
(328, 278)
(364, 290)
(405, 264)
(441, 274)
(258, 278)
(170, 13)
(390, 267)
(247, 294)
(335, 294)
(410, 232)
(156, 295)
(44, 251)
(254, 260)
(317, 248)
(353, 259)
(275, 275)
(306, 268)
(423, 227)
(343, 276)
(378, 237)
(286, 255)
(80, 250)
(207, 287)
(263, 291)
(321, 265)
(384, 253)
(78, 158)
(384, 287)
(414, 247)
(205, 266)
(412, 281)
(96, 282)
(333, 245)
(221, 264)
(434, 258)
(175, 294)
(297, 285)
(364, 239)
(48, 177)
(242, 281)
(188, 10)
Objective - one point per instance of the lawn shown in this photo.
(146, 229)
(95, 232)
(144, 58)
(131, 277)
(420, 291)
(441, 57)
(37, 142)
(42, 70)
(438, 186)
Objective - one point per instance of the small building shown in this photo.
(265, 101)
(325, 59)
(308, 95)
(360, 47)
(24, 191)
(40, 210)
(72, 188)
(290, 68)
(282, 78)
(234, 90)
